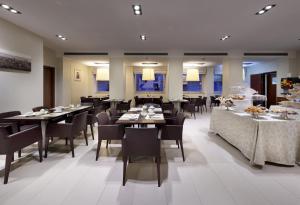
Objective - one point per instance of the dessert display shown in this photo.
(237, 97)
(255, 111)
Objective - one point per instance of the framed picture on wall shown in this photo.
(77, 74)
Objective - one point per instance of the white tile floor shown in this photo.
(214, 173)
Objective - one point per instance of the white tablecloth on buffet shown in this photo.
(267, 139)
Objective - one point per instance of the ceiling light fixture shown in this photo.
(148, 74)
(192, 74)
(265, 9)
(137, 9)
(61, 37)
(10, 9)
(223, 38)
(143, 37)
(102, 74)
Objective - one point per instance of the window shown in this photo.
(218, 75)
(156, 85)
(192, 86)
(101, 86)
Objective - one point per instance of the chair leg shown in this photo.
(107, 144)
(46, 147)
(51, 139)
(85, 136)
(66, 141)
(124, 169)
(158, 170)
(181, 145)
(20, 153)
(13, 157)
(72, 147)
(177, 143)
(40, 145)
(92, 130)
(8, 161)
(98, 149)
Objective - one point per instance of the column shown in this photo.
(232, 72)
(208, 82)
(116, 77)
(175, 71)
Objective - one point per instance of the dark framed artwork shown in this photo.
(14, 62)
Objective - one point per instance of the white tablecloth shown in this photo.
(260, 140)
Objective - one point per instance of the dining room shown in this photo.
(148, 107)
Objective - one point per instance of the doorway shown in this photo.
(49, 86)
(265, 84)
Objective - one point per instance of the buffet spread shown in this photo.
(261, 134)
(262, 137)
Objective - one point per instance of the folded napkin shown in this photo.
(157, 110)
(129, 116)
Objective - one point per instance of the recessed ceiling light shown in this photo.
(143, 37)
(137, 9)
(61, 37)
(265, 9)
(5, 6)
(223, 38)
(9, 8)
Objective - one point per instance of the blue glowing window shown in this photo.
(192, 86)
(102, 86)
(156, 85)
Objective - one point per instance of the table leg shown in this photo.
(44, 126)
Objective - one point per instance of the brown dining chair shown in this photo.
(167, 108)
(141, 142)
(16, 126)
(173, 131)
(92, 119)
(12, 142)
(37, 109)
(191, 108)
(123, 107)
(68, 131)
(107, 131)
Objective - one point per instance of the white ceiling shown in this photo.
(184, 25)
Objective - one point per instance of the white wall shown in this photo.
(73, 89)
(50, 59)
(21, 90)
(280, 65)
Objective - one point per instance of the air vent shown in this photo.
(266, 54)
(145, 54)
(85, 54)
(205, 54)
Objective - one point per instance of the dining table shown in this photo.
(142, 117)
(43, 118)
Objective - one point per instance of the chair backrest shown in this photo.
(79, 122)
(8, 114)
(141, 142)
(103, 118)
(168, 106)
(4, 132)
(180, 118)
(37, 109)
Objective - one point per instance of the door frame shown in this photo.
(52, 71)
